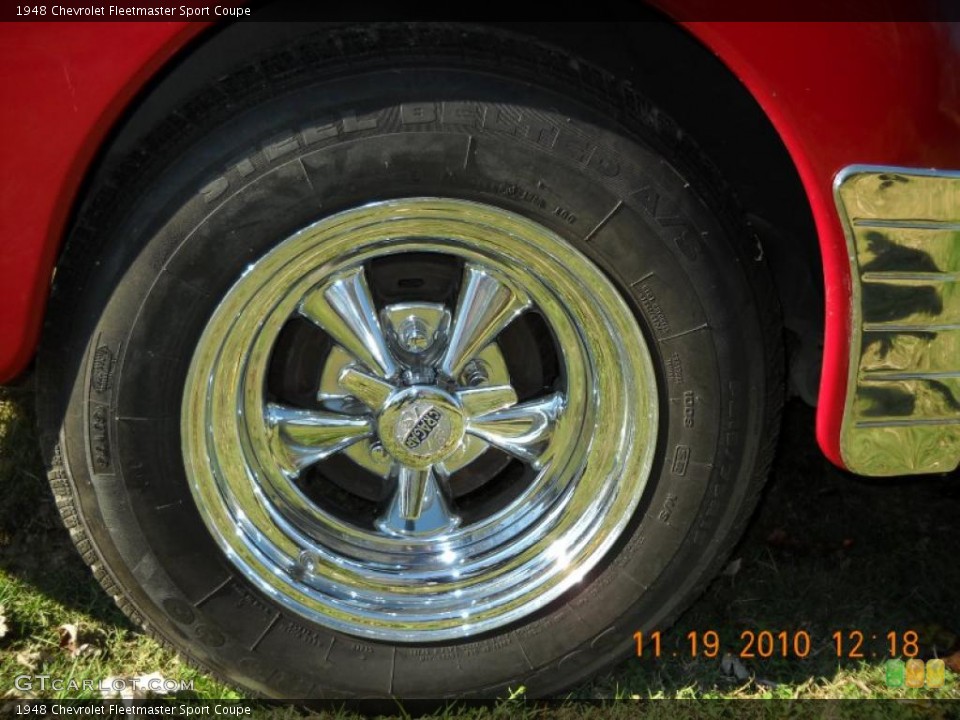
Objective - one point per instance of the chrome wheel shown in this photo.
(418, 395)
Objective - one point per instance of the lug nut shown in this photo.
(413, 335)
(475, 373)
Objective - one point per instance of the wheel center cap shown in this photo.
(420, 425)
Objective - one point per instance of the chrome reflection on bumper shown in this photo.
(902, 413)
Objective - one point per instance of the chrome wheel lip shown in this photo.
(473, 578)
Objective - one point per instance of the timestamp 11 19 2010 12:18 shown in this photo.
(850, 644)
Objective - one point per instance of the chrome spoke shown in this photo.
(418, 506)
(344, 308)
(483, 400)
(485, 307)
(303, 437)
(411, 488)
(371, 391)
(523, 430)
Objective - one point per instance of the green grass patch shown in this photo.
(826, 552)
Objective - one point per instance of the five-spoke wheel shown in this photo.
(492, 499)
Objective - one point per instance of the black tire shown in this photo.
(305, 132)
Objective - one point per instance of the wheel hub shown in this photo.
(431, 321)
(421, 425)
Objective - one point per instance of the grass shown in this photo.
(44, 584)
(825, 552)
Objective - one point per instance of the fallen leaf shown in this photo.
(70, 641)
(733, 567)
(68, 637)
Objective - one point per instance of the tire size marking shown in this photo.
(654, 312)
(514, 191)
(483, 647)
(675, 369)
(100, 451)
(431, 655)
(305, 635)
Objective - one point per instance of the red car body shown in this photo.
(838, 94)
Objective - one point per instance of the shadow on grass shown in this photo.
(35, 547)
(825, 552)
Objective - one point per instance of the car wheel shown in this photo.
(390, 365)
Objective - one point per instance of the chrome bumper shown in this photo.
(902, 413)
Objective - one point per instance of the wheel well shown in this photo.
(683, 78)
(672, 69)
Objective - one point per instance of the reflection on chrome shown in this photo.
(413, 393)
(903, 397)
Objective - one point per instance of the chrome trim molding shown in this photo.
(902, 412)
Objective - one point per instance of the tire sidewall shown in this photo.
(387, 134)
